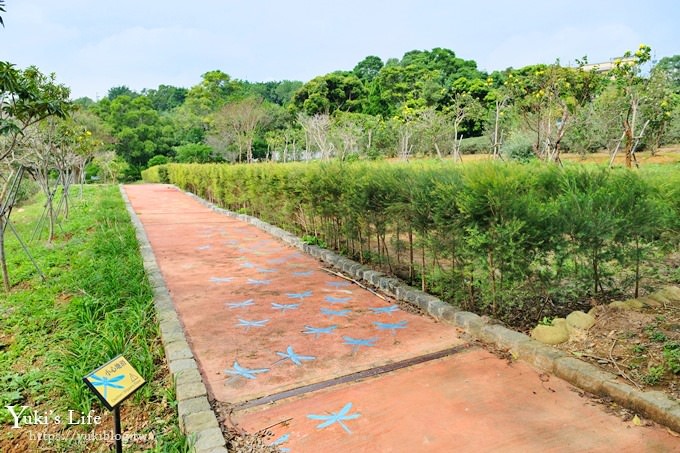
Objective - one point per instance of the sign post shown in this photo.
(113, 383)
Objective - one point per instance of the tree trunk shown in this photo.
(3, 258)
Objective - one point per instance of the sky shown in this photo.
(94, 45)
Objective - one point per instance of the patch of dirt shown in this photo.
(238, 440)
(642, 347)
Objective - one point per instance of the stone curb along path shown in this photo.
(196, 418)
(198, 421)
(654, 405)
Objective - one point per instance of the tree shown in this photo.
(671, 66)
(368, 68)
(317, 133)
(166, 97)
(2, 10)
(193, 153)
(326, 94)
(547, 98)
(118, 91)
(238, 121)
(26, 98)
(631, 86)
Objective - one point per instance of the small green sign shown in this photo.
(114, 381)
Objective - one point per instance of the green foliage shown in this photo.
(160, 160)
(313, 240)
(475, 145)
(654, 375)
(671, 355)
(193, 153)
(519, 148)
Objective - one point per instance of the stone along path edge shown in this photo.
(654, 405)
(196, 418)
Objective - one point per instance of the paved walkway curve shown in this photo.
(325, 365)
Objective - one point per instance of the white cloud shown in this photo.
(567, 43)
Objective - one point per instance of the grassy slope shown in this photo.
(95, 304)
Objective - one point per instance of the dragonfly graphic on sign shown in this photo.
(106, 383)
(338, 417)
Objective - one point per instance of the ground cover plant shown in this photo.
(95, 304)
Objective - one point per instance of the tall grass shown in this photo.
(95, 304)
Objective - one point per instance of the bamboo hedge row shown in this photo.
(492, 237)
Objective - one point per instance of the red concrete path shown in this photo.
(262, 318)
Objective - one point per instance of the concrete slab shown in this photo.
(469, 402)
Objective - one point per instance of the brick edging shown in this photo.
(196, 418)
(654, 405)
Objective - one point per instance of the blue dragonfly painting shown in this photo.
(221, 279)
(316, 331)
(281, 440)
(277, 260)
(106, 383)
(285, 307)
(388, 310)
(391, 326)
(301, 295)
(337, 417)
(263, 270)
(339, 313)
(337, 300)
(297, 359)
(338, 284)
(248, 324)
(356, 343)
(245, 303)
(252, 281)
(303, 274)
(248, 373)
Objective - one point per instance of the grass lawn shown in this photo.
(96, 303)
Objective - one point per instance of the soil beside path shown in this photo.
(263, 319)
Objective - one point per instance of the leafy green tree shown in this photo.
(140, 132)
(368, 68)
(671, 66)
(631, 86)
(26, 98)
(120, 91)
(325, 94)
(237, 122)
(193, 153)
(166, 97)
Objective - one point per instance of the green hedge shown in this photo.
(489, 236)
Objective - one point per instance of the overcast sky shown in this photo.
(93, 45)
